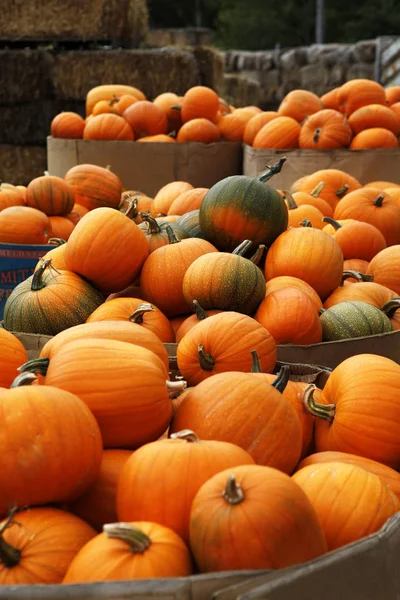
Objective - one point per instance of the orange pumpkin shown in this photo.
(77, 212)
(98, 505)
(123, 102)
(297, 214)
(187, 201)
(107, 233)
(284, 282)
(364, 291)
(199, 130)
(290, 317)
(94, 186)
(327, 129)
(313, 199)
(376, 137)
(254, 125)
(299, 104)
(146, 118)
(357, 239)
(232, 126)
(24, 225)
(166, 102)
(135, 311)
(249, 507)
(355, 264)
(309, 254)
(52, 195)
(346, 515)
(61, 227)
(373, 206)
(330, 99)
(224, 342)
(160, 137)
(12, 356)
(10, 197)
(336, 185)
(67, 125)
(186, 323)
(392, 94)
(374, 115)
(131, 551)
(200, 102)
(396, 108)
(56, 255)
(359, 92)
(105, 106)
(108, 126)
(350, 404)
(167, 194)
(195, 462)
(385, 268)
(281, 133)
(31, 536)
(109, 92)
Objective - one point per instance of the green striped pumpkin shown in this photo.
(351, 320)
(191, 223)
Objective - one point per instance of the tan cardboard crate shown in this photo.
(364, 165)
(148, 166)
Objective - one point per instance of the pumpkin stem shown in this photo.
(23, 379)
(282, 379)
(186, 434)
(176, 107)
(317, 133)
(200, 312)
(138, 541)
(390, 307)
(242, 248)
(56, 241)
(9, 555)
(176, 387)
(360, 277)
(140, 310)
(271, 170)
(255, 362)
(37, 279)
(318, 189)
(379, 200)
(132, 210)
(314, 408)
(153, 226)
(321, 310)
(291, 202)
(305, 223)
(161, 214)
(36, 365)
(258, 254)
(172, 237)
(233, 492)
(206, 361)
(332, 222)
(342, 191)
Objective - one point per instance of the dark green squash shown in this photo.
(353, 319)
(50, 301)
(191, 223)
(240, 207)
(225, 281)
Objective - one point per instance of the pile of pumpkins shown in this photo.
(361, 114)
(112, 468)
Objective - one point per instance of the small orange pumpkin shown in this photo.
(198, 130)
(374, 115)
(359, 92)
(146, 118)
(281, 133)
(375, 137)
(254, 125)
(108, 126)
(67, 125)
(325, 130)
(299, 104)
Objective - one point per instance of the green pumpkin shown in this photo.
(190, 223)
(240, 207)
(353, 319)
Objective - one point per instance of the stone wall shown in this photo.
(317, 68)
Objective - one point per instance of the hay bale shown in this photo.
(94, 20)
(241, 91)
(25, 75)
(29, 124)
(153, 71)
(210, 64)
(20, 164)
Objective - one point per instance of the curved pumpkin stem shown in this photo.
(153, 226)
(305, 223)
(314, 408)
(138, 541)
(379, 200)
(36, 365)
(187, 435)
(272, 170)
(200, 312)
(318, 189)
(132, 210)
(361, 277)
(317, 133)
(37, 279)
(282, 379)
(206, 361)
(390, 307)
(291, 202)
(233, 492)
(342, 191)
(176, 387)
(332, 222)
(140, 311)
(23, 379)
(255, 362)
(243, 248)
(172, 237)
(9, 555)
(258, 254)
(56, 241)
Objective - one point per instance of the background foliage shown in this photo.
(263, 24)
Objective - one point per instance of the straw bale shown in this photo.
(25, 75)
(20, 164)
(152, 71)
(241, 91)
(84, 20)
(210, 64)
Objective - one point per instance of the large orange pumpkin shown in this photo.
(200, 102)
(281, 133)
(325, 130)
(165, 495)
(359, 92)
(238, 518)
(374, 115)
(350, 502)
(375, 137)
(188, 322)
(50, 194)
(108, 127)
(357, 239)
(254, 125)
(285, 282)
(94, 186)
(38, 545)
(299, 104)
(146, 118)
(336, 184)
(385, 268)
(24, 225)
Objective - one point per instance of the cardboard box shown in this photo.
(17, 263)
(364, 165)
(148, 166)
